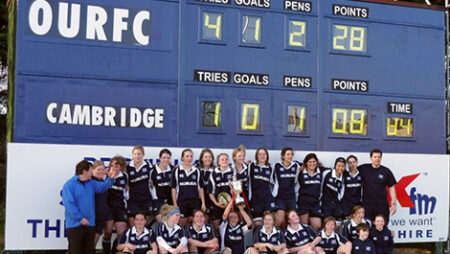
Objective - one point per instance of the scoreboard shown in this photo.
(325, 75)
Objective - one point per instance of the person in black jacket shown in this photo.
(381, 236)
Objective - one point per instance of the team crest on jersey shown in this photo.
(375, 238)
(318, 176)
(358, 178)
(304, 233)
(194, 177)
(386, 238)
(144, 170)
(238, 231)
(333, 241)
(122, 181)
(132, 173)
(228, 177)
(268, 171)
(330, 180)
(165, 235)
(145, 238)
(349, 178)
(132, 238)
(263, 238)
(218, 178)
(294, 238)
(368, 248)
(356, 247)
(381, 176)
(158, 177)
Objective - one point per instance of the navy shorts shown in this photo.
(100, 226)
(142, 206)
(332, 208)
(187, 207)
(258, 207)
(312, 207)
(157, 203)
(285, 204)
(118, 213)
(372, 210)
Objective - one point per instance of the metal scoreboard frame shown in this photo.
(91, 78)
(328, 75)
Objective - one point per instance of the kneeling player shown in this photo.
(138, 239)
(201, 237)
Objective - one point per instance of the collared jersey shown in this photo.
(206, 233)
(139, 180)
(375, 181)
(206, 173)
(349, 228)
(382, 240)
(171, 236)
(333, 186)
(330, 243)
(161, 180)
(116, 194)
(101, 203)
(143, 242)
(233, 237)
(296, 238)
(275, 237)
(363, 247)
(219, 181)
(186, 183)
(310, 185)
(243, 177)
(261, 177)
(285, 181)
(353, 187)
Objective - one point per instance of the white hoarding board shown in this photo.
(37, 172)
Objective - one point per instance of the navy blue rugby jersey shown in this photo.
(206, 173)
(330, 243)
(296, 238)
(171, 236)
(243, 177)
(261, 177)
(349, 228)
(261, 236)
(286, 181)
(310, 185)
(161, 181)
(219, 181)
(205, 233)
(333, 186)
(186, 183)
(353, 187)
(233, 237)
(117, 193)
(139, 181)
(143, 242)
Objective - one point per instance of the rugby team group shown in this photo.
(287, 207)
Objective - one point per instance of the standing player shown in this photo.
(240, 168)
(139, 179)
(103, 218)
(160, 177)
(233, 229)
(310, 181)
(219, 182)
(376, 178)
(138, 239)
(285, 185)
(260, 194)
(171, 237)
(300, 238)
(333, 190)
(201, 237)
(117, 200)
(353, 186)
(206, 166)
(332, 242)
(187, 187)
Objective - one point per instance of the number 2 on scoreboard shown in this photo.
(297, 33)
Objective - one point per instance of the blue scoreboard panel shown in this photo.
(315, 75)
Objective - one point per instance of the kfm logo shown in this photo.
(418, 203)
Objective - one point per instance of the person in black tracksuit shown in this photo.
(381, 236)
(353, 187)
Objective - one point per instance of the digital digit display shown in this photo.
(211, 115)
(349, 121)
(212, 26)
(297, 33)
(296, 119)
(250, 117)
(349, 38)
(251, 29)
(399, 127)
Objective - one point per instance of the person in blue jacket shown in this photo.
(78, 195)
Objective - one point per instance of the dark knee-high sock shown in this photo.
(106, 244)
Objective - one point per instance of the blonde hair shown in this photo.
(241, 148)
(166, 210)
(138, 147)
(98, 163)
